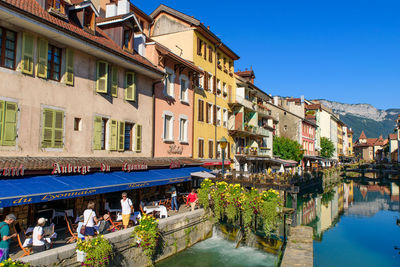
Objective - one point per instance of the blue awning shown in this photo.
(36, 189)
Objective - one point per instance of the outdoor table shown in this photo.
(134, 217)
(162, 209)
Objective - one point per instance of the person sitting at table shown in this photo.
(78, 230)
(38, 241)
(104, 225)
(127, 209)
(90, 220)
(192, 199)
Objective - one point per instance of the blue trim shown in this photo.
(14, 192)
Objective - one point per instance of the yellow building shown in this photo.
(340, 138)
(350, 140)
(190, 39)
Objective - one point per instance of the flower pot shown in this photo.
(80, 256)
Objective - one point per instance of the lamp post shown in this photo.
(222, 144)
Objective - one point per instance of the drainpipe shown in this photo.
(154, 116)
(215, 99)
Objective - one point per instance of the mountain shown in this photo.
(359, 117)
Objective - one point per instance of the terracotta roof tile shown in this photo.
(363, 136)
(393, 136)
(100, 39)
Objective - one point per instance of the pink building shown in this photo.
(308, 137)
(173, 103)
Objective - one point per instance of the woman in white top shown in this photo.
(38, 241)
(90, 220)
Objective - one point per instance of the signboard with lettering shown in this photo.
(13, 171)
(134, 167)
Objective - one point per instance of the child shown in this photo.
(81, 218)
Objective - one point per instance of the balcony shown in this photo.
(243, 102)
(253, 151)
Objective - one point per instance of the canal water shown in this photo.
(217, 251)
(355, 224)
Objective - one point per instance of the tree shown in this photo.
(286, 148)
(327, 148)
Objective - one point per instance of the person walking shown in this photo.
(38, 241)
(89, 219)
(192, 199)
(5, 236)
(174, 203)
(127, 209)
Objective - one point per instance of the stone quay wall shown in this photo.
(178, 232)
(299, 248)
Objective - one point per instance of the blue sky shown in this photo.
(346, 51)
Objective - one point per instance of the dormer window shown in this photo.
(57, 5)
(89, 19)
(127, 39)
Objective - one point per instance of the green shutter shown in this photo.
(121, 135)
(58, 129)
(138, 138)
(130, 82)
(47, 135)
(102, 77)
(113, 135)
(27, 53)
(1, 120)
(10, 124)
(114, 81)
(42, 50)
(69, 70)
(97, 133)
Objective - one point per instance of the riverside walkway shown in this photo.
(299, 248)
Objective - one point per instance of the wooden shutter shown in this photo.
(102, 77)
(58, 129)
(98, 121)
(205, 51)
(207, 113)
(130, 92)
(215, 115)
(205, 81)
(10, 124)
(27, 54)
(198, 46)
(43, 48)
(210, 54)
(69, 65)
(1, 120)
(210, 149)
(138, 138)
(229, 151)
(114, 81)
(200, 111)
(121, 136)
(201, 149)
(113, 135)
(214, 81)
(47, 135)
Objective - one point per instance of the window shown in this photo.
(199, 46)
(130, 91)
(127, 39)
(209, 113)
(53, 63)
(225, 118)
(8, 123)
(102, 77)
(184, 88)
(128, 146)
(169, 83)
(224, 89)
(58, 5)
(88, 20)
(8, 45)
(100, 132)
(201, 81)
(77, 124)
(168, 134)
(200, 110)
(205, 51)
(210, 82)
(210, 58)
(183, 130)
(214, 119)
(218, 86)
(225, 64)
(218, 116)
(230, 66)
(201, 148)
(53, 128)
(210, 149)
(218, 60)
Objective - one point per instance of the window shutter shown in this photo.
(114, 81)
(215, 115)
(207, 113)
(205, 81)
(198, 46)
(10, 124)
(69, 66)
(138, 138)
(47, 136)
(229, 151)
(43, 48)
(97, 133)
(58, 129)
(27, 54)
(205, 51)
(102, 77)
(200, 110)
(214, 81)
(121, 135)
(113, 135)
(1, 120)
(130, 81)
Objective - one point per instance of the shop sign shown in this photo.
(134, 167)
(174, 164)
(174, 149)
(139, 185)
(105, 167)
(13, 171)
(63, 169)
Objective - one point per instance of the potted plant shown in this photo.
(94, 252)
(146, 236)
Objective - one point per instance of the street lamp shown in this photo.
(222, 144)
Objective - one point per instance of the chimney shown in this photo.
(111, 10)
(140, 44)
(276, 99)
(123, 7)
(208, 27)
(302, 98)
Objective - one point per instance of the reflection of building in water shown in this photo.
(394, 192)
(335, 204)
(340, 199)
(308, 211)
(326, 216)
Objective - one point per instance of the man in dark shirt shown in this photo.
(5, 236)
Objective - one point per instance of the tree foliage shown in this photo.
(286, 148)
(327, 148)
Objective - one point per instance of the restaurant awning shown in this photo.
(36, 189)
(203, 174)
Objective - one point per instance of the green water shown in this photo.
(218, 252)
